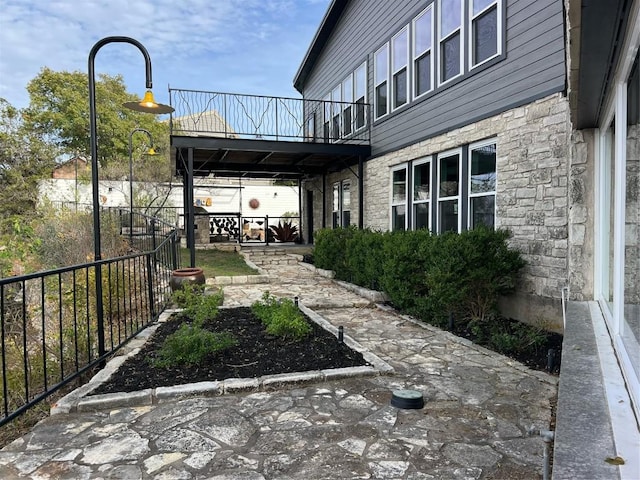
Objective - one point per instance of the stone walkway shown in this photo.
(479, 409)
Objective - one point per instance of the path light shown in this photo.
(147, 105)
(341, 334)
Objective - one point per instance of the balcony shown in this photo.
(257, 136)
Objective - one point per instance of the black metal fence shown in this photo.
(50, 330)
(232, 115)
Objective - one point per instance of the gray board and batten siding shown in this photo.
(532, 66)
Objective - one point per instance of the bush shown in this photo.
(281, 317)
(190, 344)
(197, 305)
(428, 276)
(330, 250)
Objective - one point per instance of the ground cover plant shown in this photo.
(270, 337)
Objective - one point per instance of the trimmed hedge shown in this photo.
(428, 276)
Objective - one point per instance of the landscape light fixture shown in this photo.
(148, 105)
(93, 133)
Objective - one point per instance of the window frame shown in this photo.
(343, 210)
(392, 204)
(415, 55)
(336, 207)
(393, 73)
(458, 197)
(362, 67)
(377, 83)
(429, 200)
(336, 113)
(499, 29)
(347, 105)
(326, 118)
(493, 193)
(448, 35)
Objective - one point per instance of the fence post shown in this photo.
(150, 282)
(266, 229)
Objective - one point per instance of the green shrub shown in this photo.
(364, 258)
(281, 317)
(330, 250)
(197, 305)
(190, 344)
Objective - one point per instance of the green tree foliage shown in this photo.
(25, 158)
(59, 111)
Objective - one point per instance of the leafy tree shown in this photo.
(25, 158)
(59, 111)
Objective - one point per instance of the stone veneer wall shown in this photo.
(315, 185)
(544, 193)
(632, 221)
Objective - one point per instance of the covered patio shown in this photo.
(254, 137)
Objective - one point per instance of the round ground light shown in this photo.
(407, 399)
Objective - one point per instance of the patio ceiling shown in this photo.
(228, 157)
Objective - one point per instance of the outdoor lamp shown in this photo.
(148, 105)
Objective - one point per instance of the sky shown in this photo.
(237, 46)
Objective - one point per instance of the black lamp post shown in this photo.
(150, 152)
(146, 105)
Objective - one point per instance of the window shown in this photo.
(347, 97)
(399, 198)
(335, 206)
(310, 128)
(450, 35)
(421, 193)
(346, 203)
(381, 66)
(422, 56)
(449, 192)
(485, 38)
(326, 122)
(336, 98)
(399, 77)
(360, 91)
(482, 185)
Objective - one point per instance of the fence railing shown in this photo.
(49, 327)
(216, 227)
(231, 115)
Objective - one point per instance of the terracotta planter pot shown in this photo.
(183, 276)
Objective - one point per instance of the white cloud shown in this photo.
(198, 44)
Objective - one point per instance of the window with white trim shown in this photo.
(482, 185)
(381, 84)
(326, 119)
(336, 98)
(335, 206)
(347, 107)
(399, 198)
(450, 39)
(449, 192)
(422, 52)
(399, 70)
(360, 93)
(485, 38)
(421, 194)
(346, 203)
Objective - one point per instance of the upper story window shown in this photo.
(336, 98)
(381, 85)
(450, 34)
(399, 72)
(326, 119)
(347, 107)
(485, 40)
(422, 52)
(360, 92)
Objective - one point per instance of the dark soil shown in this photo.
(256, 354)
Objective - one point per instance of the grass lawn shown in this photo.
(217, 263)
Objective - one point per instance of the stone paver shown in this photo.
(479, 407)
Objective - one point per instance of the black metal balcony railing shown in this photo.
(230, 115)
(49, 326)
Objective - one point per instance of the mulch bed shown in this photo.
(256, 354)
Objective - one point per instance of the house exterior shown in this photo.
(517, 114)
